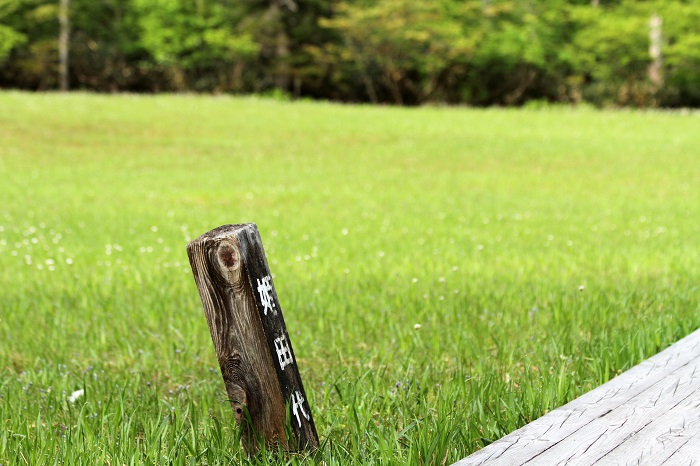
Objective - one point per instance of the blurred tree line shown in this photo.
(477, 52)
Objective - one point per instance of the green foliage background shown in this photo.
(477, 52)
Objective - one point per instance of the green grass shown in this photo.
(480, 225)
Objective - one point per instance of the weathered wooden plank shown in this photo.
(660, 438)
(603, 434)
(531, 440)
(687, 455)
(250, 338)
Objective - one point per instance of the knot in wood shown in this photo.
(228, 256)
(238, 399)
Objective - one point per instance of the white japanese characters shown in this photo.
(282, 347)
(284, 354)
(265, 292)
(298, 407)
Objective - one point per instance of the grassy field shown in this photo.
(542, 252)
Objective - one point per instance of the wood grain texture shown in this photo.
(596, 439)
(687, 455)
(250, 339)
(588, 428)
(660, 438)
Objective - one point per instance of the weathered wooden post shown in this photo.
(250, 338)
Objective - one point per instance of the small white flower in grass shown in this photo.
(416, 327)
(344, 231)
(75, 395)
(69, 261)
(581, 288)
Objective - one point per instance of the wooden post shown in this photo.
(250, 338)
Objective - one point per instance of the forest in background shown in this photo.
(406, 52)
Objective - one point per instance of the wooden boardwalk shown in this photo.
(649, 415)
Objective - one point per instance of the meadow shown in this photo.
(446, 274)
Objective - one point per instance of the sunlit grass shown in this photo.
(540, 252)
